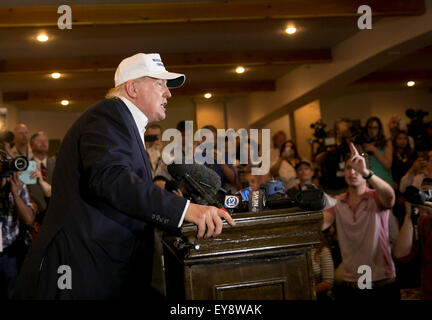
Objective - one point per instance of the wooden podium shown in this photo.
(266, 256)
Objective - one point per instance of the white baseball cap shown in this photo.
(149, 65)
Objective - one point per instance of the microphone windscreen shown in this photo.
(208, 179)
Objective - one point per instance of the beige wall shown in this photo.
(210, 113)
(303, 117)
(382, 104)
(12, 117)
(281, 124)
(54, 123)
(237, 111)
(178, 109)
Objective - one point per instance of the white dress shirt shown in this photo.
(141, 122)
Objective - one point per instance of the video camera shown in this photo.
(9, 165)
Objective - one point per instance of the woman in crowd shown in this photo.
(284, 167)
(403, 157)
(380, 150)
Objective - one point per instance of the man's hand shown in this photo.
(358, 163)
(208, 219)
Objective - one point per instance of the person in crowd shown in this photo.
(403, 157)
(40, 193)
(284, 167)
(421, 169)
(331, 162)
(323, 269)
(16, 216)
(304, 174)
(154, 145)
(361, 215)
(252, 181)
(21, 142)
(278, 139)
(101, 218)
(395, 125)
(415, 239)
(226, 171)
(379, 149)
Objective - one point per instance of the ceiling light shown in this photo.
(42, 38)
(208, 95)
(290, 30)
(55, 75)
(410, 83)
(64, 102)
(240, 69)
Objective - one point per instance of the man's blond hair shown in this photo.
(118, 91)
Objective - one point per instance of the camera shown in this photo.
(10, 165)
(319, 131)
(359, 136)
(416, 196)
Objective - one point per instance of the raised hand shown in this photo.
(358, 163)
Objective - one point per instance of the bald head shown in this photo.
(21, 133)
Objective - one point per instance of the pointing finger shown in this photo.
(353, 149)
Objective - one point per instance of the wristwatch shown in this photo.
(371, 173)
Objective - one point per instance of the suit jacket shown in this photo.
(35, 190)
(101, 214)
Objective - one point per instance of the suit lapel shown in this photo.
(131, 124)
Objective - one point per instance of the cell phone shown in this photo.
(25, 175)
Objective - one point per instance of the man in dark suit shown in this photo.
(40, 192)
(97, 238)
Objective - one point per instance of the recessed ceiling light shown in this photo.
(208, 95)
(410, 83)
(42, 38)
(240, 69)
(291, 30)
(64, 102)
(55, 75)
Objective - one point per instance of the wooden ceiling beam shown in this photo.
(94, 94)
(396, 76)
(168, 12)
(190, 60)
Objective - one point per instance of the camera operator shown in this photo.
(331, 162)
(16, 212)
(415, 238)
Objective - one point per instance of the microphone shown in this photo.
(200, 182)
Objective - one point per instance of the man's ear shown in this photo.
(131, 89)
